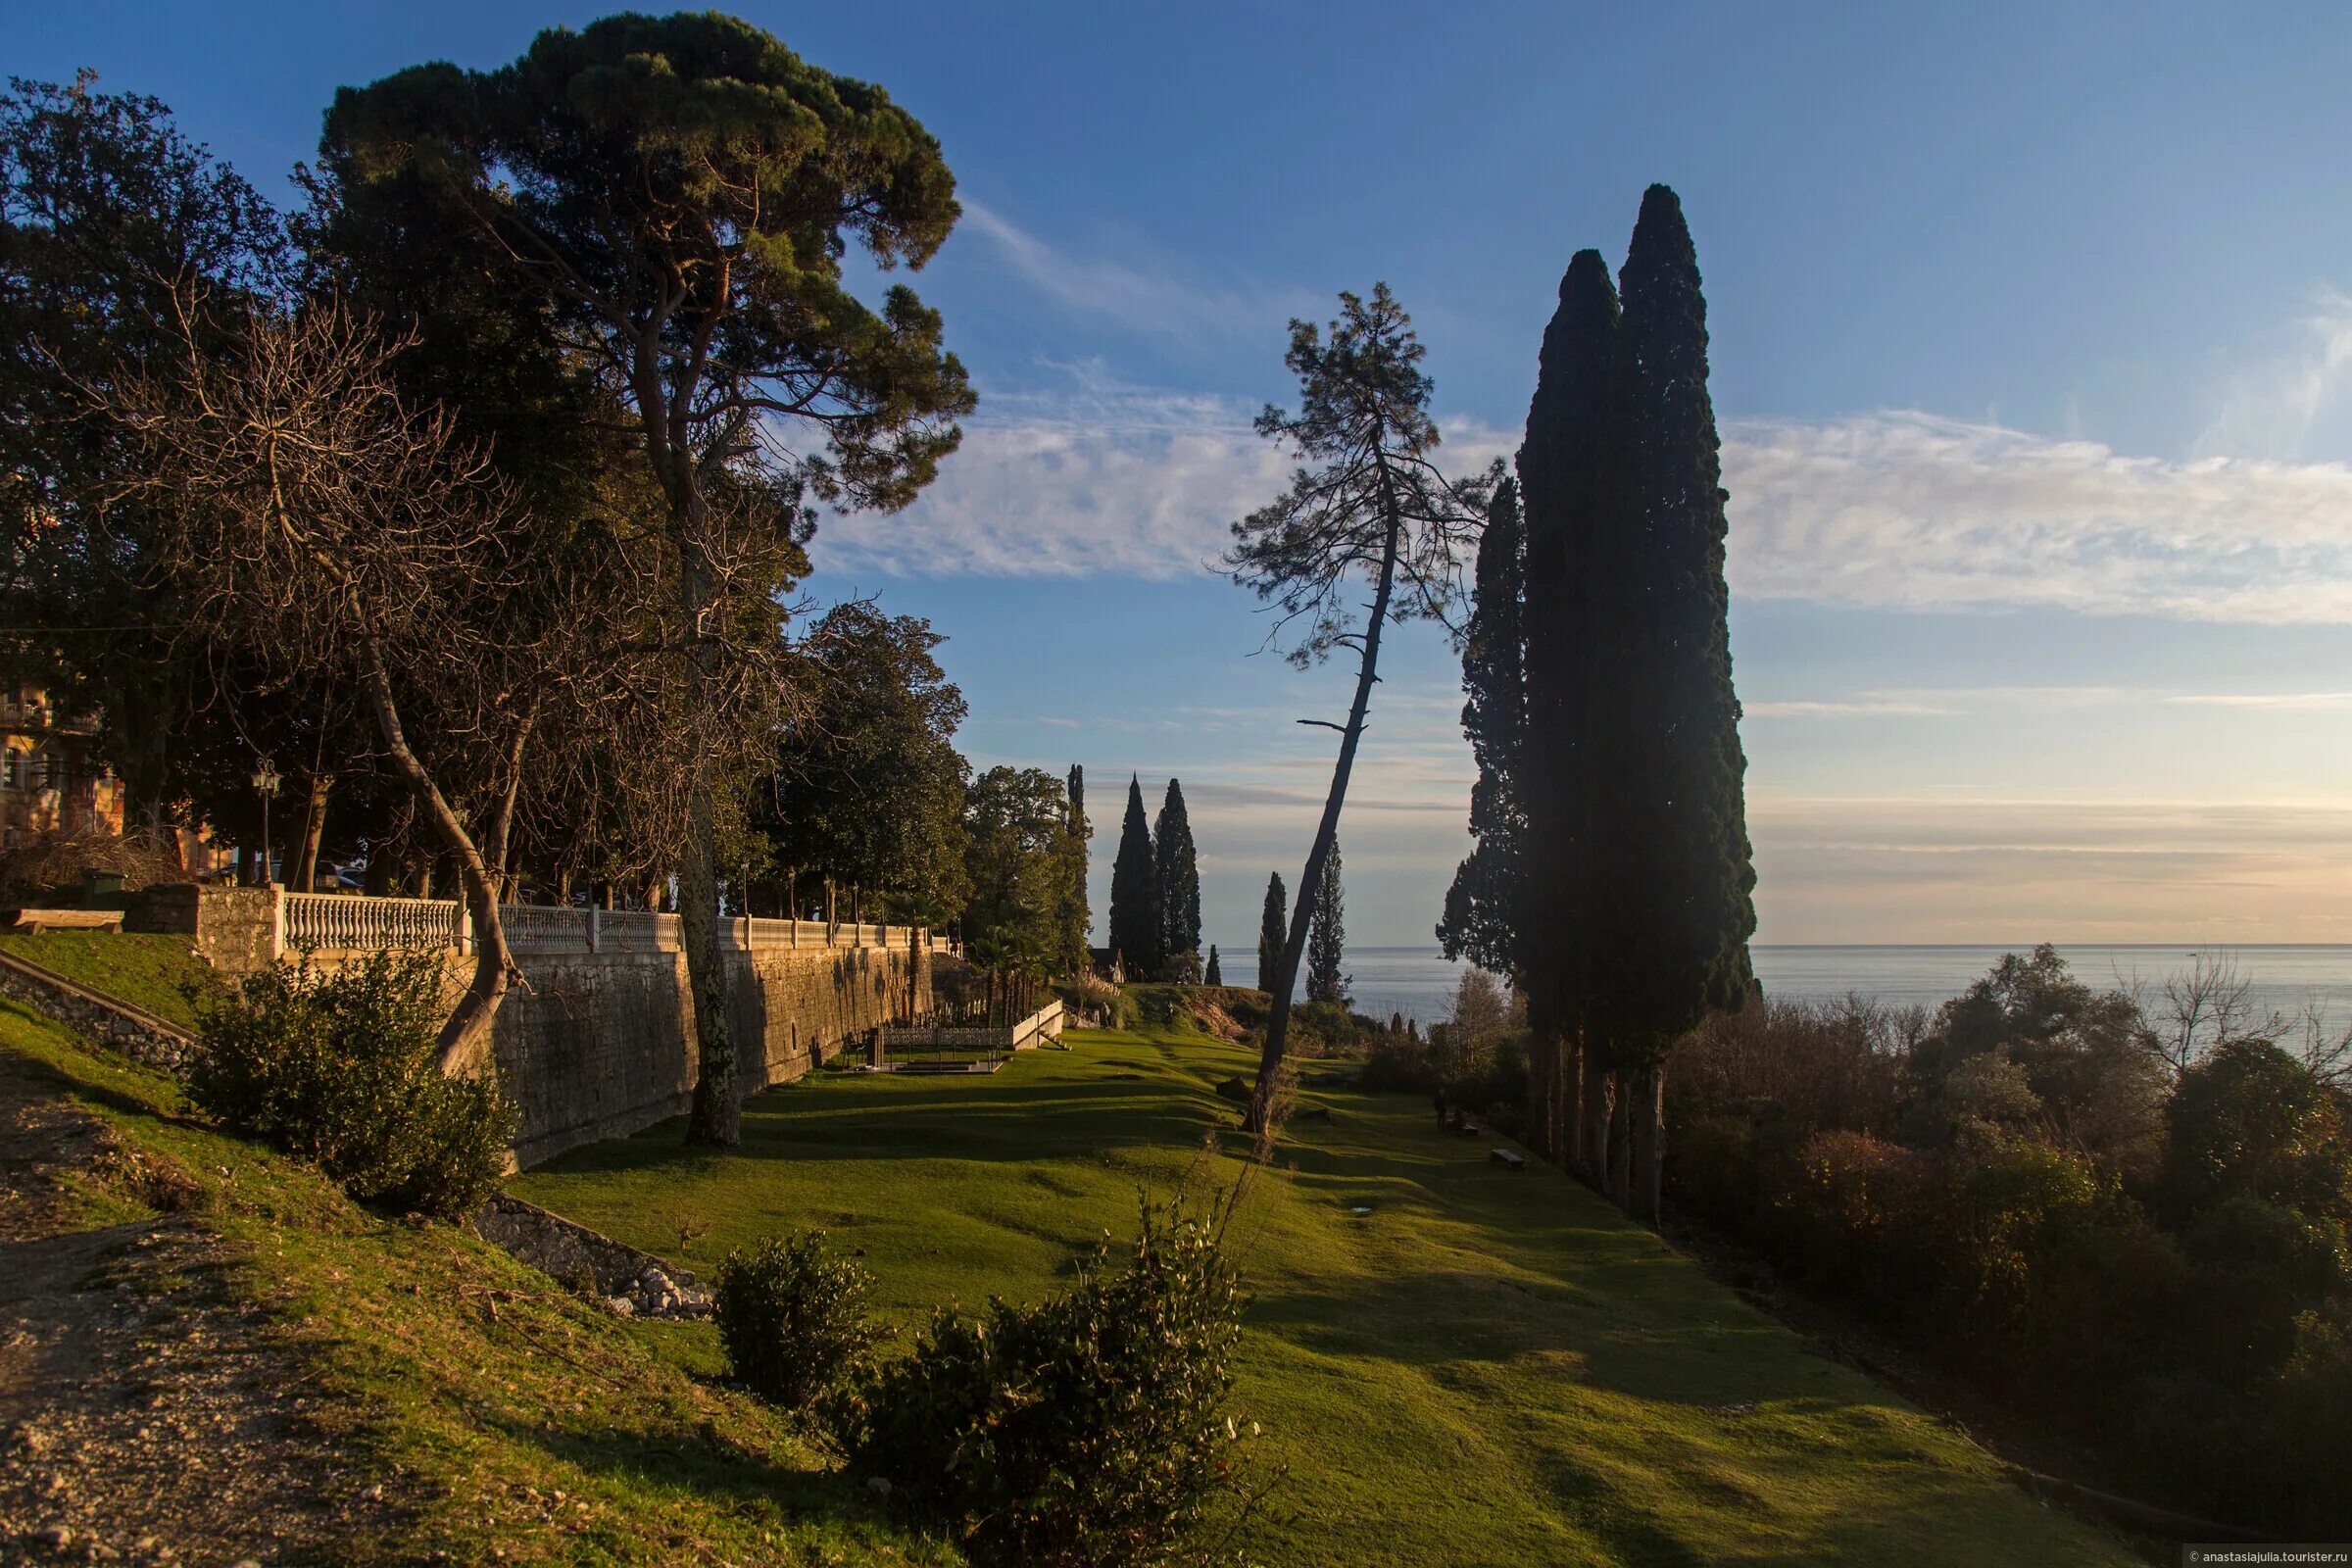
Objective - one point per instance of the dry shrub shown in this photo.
(46, 867)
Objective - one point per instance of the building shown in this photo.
(51, 777)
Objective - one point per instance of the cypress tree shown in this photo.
(1178, 870)
(1215, 977)
(1077, 919)
(1680, 914)
(1326, 937)
(1571, 487)
(1273, 928)
(1482, 922)
(1134, 922)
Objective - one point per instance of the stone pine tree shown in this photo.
(1483, 920)
(1273, 926)
(1367, 507)
(1571, 494)
(1177, 873)
(1077, 920)
(680, 193)
(1327, 937)
(1136, 926)
(1672, 939)
(1213, 975)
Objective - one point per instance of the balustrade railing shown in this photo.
(334, 920)
(351, 922)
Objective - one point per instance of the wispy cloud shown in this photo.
(1150, 295)
(1908, 511)
(2266, 702)
(1851, 707)
(2267, 410)
(1976, 869)
(1892, 510)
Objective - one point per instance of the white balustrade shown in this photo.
(340, 921)
(349, 922)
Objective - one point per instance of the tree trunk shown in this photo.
(303, 852)
(1567, 1106)
(1620, 1141)
(1593, 1137)
(1649, 1142)
(1327, 830)
(465, 1045)
(1543, 1059)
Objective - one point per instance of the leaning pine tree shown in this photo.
(1373, 506)
(1484, 921)
(1633, 728)
(1177, 867)
(1135, 918)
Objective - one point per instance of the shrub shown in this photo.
(792, 1316)
(341, 1068)
(1087, 1431)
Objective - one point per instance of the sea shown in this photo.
(1419, 982)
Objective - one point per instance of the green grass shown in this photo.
(146, 970)
(1489, 1367)
(507, 1420)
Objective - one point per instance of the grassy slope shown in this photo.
(1488, 1368)
(478, 1391)
(146, 970)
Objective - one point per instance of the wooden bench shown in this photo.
(64, 919)
(1507, 1159)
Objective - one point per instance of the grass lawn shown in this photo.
(505, 1420)
(1489, 1367)
(144, 969)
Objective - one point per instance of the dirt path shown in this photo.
(145, 1416)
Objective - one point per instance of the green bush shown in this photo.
(341, 1068)
(1087, 1431)
(792, 1316)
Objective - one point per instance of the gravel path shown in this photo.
(145, 1416)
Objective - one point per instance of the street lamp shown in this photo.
(264, 784)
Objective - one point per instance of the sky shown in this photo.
(2032, 328)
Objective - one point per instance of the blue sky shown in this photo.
(2030, 329)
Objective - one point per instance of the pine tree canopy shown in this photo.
(1178, 870)
(1136, 925)
(1273, 929)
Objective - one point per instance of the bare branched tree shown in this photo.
(314, 522)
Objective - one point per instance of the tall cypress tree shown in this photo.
(1135, 921)
(1327, 937)
(1683, 909)
(1178, 867)
(1273, 929)
(1215, 977)
(1076, 918)
(1571, 486)
(1484, 921)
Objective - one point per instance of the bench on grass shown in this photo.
(61, 920)
(1507, 1159)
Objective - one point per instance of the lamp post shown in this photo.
(264, 784)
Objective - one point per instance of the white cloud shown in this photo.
(2266, 702)
(1977, 869)
(1892, 510)
(2268, 410)
(1152, 298)
(1906, 511)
